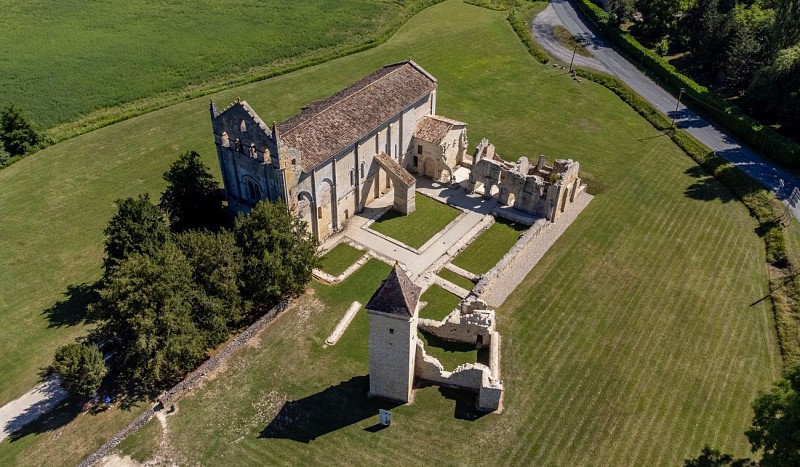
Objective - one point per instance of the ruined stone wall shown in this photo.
(473, 328)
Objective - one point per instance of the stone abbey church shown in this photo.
(338, 154)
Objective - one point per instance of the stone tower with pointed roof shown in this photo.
(393, 311)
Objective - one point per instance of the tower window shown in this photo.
(419, 149)
(391, 331)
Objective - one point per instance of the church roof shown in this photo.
(433, 128)
(397, 295)
(390, 165)
(325, 127)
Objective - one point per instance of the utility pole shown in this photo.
(573, 58)
(678, 104)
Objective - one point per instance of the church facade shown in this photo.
(339, 154)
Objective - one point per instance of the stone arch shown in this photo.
(308, 208)
(326, 200)
(253, 189)
(494, 191)
(242, 126)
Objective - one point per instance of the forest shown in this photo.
(747, 51)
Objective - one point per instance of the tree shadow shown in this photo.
(32, 422)
(336, 407)
(685, 118)
(706, 187)
(72, 309)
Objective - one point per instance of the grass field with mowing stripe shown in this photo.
(341, 257)
(485, 251)
(414, 229)
(632, 342)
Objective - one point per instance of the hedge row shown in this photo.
(778, 148)
(521, 29)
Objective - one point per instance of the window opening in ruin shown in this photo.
(242, 126)
(346, 214)
(319, 212)
(416, 161)
(419, 149)
(225, 141)
(391, 331)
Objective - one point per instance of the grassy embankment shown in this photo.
(632, 342)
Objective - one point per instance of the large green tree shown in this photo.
(658, 18)
(17, 134)
(216, 263)
(776, 424)
(138, 226)
(279, 253)
(146, 305)
(774, 92)
(786, 32)
(81, 368)
(192, 198)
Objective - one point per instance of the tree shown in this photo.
(774, 92)
(747, 47)
(16, 131)
(216, 263)
(776, 423)
(146, 306)
(81, 368)
(712, 458)
(707, 32)
(138, 226)
(192, 198)
(786, 31)
(279, 253)
(621, 10)
(659, 17)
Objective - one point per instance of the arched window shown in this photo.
(242, 126)
(352, 177)
(363, 167)
(225, 141)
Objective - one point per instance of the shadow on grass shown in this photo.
(72, 309)
(466, 401)
(706, 187)
(336, 407)
(60, 416)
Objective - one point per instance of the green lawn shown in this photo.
(81, 56)
(456, 279)
(415, 229)
(632, 342)
(486, 250)
(341, 257)
(439, 303)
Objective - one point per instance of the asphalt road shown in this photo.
(761, 169)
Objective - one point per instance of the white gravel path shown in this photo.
(38, 401)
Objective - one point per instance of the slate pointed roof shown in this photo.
(397, 295)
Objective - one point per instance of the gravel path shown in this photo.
(509, 278)
(38, 401)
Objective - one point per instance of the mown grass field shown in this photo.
(456, 279)
(633, 341)
(415, 229)
(485, 251)
(439, 303)
(80, 56)
(341, 257)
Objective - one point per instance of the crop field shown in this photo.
(636, 340)
(81, 56)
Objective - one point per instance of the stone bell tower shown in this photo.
(393, 311)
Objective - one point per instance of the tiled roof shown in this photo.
(433, 128)
(325, 127)
(390, 165)
(397, 295)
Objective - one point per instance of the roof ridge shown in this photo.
(330, 106)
